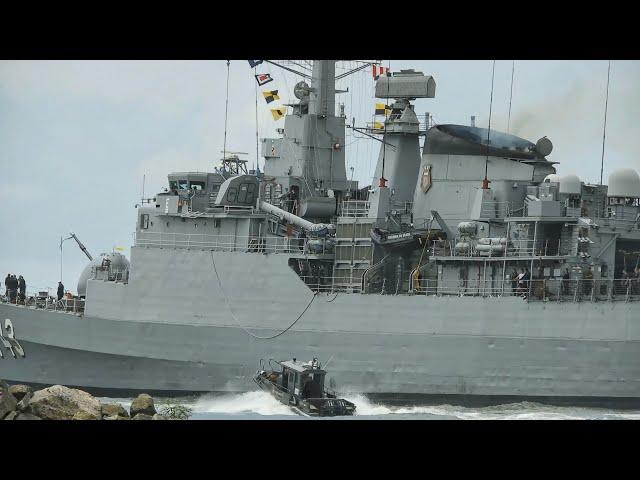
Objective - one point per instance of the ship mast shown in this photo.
(312, 145)
(322, 98)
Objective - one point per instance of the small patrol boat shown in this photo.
(301, 386)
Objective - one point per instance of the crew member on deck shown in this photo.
(514, 280)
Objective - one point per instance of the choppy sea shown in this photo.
(259, 405)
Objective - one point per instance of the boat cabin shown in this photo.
(303, 379)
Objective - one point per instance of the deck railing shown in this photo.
(42, 299)
(627, 220)
(495, 209)
(233, 243)
(513, 248)
(545, 290)
(355, 208)
(548, 290)
(330, 284)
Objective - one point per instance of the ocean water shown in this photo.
(259, 405)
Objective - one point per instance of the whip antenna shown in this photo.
(485, 182)
(604, 129)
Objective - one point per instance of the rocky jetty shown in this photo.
(21, 402)
(143, 404)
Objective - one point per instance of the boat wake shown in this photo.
(257, 403)
(513, 411)
(261, 405)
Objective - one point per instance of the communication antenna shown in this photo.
(383, 181)
(604, 129)
(513, 69)
(485, 182)
(226, 111)
(257, 141)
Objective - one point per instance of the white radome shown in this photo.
(570, 184)
(552, 178)
(624, 183)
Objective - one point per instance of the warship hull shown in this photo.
(176, 327)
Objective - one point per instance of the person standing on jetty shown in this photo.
(13, 289)
(22, 288)
(60, 291)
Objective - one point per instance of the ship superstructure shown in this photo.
(471, 268)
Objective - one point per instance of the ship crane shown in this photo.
(82, 247)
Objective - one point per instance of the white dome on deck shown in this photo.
(119, 263)
(624, 183)
(570, 184)
(552, 178)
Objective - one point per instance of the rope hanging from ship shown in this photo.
(416, 271)
(226, 299)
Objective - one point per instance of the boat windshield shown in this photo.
(312, 384)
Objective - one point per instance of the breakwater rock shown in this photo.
(21, 402)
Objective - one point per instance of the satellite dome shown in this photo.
(624, 183)
(570, 184)
(552, 178)
(118, 262)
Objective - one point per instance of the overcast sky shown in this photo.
(76, 137)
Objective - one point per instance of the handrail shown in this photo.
(355, 208)
(495, 209)
(233, 243)
(512, 248)
(547, 289)
(73, 305)
(330, 284)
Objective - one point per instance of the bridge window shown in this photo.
(183, 185)
(173, 185)
(231, 194)
(251, 193)
(197, 186)
(242, 194)
(246, 195)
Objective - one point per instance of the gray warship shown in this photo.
(469, 269)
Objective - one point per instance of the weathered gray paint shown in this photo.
(141, 335)
(177, 326)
